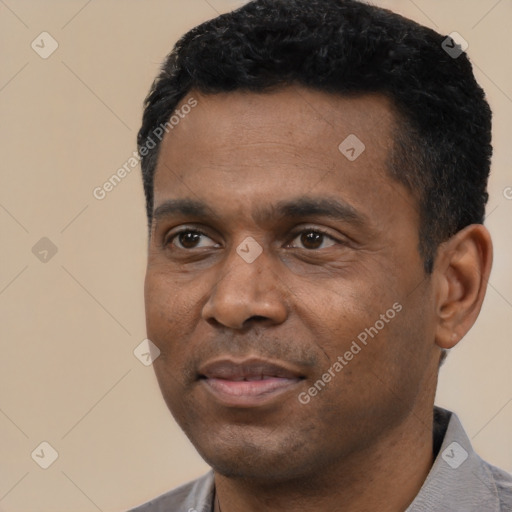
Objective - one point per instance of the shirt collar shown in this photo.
(459, 479)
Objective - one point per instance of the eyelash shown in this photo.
(169, 239)
(293, 235)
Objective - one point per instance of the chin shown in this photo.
(262, 459)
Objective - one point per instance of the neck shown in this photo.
(385, 476)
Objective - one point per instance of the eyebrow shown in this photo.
(183, 208)
(300, 207)
(334, 209)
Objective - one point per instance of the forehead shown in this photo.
(307, 115)
(272, 144)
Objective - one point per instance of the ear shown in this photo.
(462, 269)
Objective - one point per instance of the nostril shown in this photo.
(258, 318)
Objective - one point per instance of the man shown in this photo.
(315, 174)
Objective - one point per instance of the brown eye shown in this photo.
(314, 239)
(189, 239)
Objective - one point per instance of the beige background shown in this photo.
(69, 325)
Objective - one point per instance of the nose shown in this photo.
(246, 292)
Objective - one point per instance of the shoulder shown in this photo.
(460, 480)
(502, 485)
(195, 496)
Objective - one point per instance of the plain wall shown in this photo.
(69, 325)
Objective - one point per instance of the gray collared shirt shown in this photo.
(459, 480)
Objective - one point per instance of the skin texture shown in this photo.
(364, 442)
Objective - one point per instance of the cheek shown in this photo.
(365, 323)
(337, 311)
(170, 310)
(392, 367)
(167, 326)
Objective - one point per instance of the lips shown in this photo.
(249, 382)
(249, 369)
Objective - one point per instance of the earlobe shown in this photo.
(463, 265)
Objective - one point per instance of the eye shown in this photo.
(189, 239)
(315, 239)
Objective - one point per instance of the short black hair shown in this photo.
(442, 143)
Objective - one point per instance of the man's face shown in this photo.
(244, 335)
